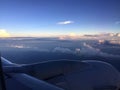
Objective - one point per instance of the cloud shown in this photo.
(88, 50)
(4, 33)
(65, 22)
(29, 48)
(19, 46)
(85, 50)
(109, 42)
(62, 50)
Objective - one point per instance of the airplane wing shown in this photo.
(21, 81)
(62, 75)
(26, 82)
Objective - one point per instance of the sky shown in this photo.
(58, 17)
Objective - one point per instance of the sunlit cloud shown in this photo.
(104, 36)
(65, 22)
(4, 33)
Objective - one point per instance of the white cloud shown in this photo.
(88, 50)
(65, 22)
(19, 46)
(62, 50)
(4, 33)
(85, 50)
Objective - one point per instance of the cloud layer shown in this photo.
(85, 50)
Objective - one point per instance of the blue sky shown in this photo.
(59, 17)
